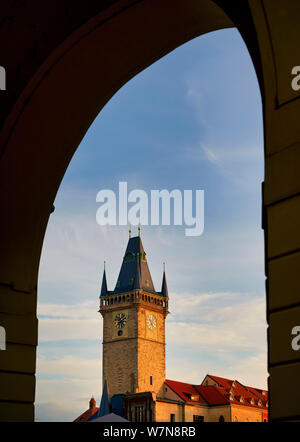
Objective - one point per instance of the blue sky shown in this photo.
(190, 121)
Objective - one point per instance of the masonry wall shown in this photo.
(214, 413)
(163, 410)
(120, 353)
(151, 352)
(242, 413)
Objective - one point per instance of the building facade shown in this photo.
(134, 358)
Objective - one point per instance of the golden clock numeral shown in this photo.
(151, 322)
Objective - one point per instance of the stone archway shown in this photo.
(79, 57)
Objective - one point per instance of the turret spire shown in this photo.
(105, 405)
(104, 284)
(164, 287)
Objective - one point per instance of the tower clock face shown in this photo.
(151, 322)
(120, 320)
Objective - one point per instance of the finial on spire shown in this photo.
(164, 266)
(104, 264)
(129, 233)
(139, 229)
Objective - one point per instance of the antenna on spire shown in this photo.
(129, 233)
(104, 264)
(164, 266)
(139, 229)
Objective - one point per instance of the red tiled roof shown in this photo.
(223, 382)
(213, 395)
(239, 390)
(226, 392)
(84, 417)
(187, 392)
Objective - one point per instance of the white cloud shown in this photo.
(64, 400)
(65, 386)
(63, 322)
(250, 371)
(70, 366)
(239, 324)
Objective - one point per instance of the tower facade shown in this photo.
(134, 326)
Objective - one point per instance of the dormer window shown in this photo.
(259, 403)
(129, 257)
(252, 402)
(242, 399)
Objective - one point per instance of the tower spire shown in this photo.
(164, 286)
(105, 405)
(134, 272)
(104, 283)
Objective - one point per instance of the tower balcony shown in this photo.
(135, 297)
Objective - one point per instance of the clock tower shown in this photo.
(134, 326)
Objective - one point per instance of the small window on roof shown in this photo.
(147, 282)
(129, 257)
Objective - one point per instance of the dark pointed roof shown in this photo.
(104, 407)
(104, 285)
(134, 273)
(164, 287)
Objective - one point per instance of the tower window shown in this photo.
(151, 380)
